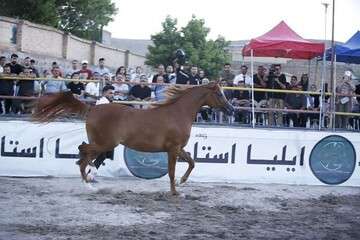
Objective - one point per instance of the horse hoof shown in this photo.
(183, 180)
(175, 193)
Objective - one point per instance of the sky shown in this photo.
(237, 19)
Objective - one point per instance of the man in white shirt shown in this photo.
(101, 68)
(107, 95)
(243, 77)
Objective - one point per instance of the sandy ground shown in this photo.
(129, 208)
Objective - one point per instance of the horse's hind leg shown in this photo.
(172, 156)
(184, 155)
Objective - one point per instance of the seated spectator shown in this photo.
(296, 101)
(85, 70)
(161, 72)
(343, 102)
(74, 68)
(241, 99)
(92, 88)
(76, 87)
(121, 89)
(140, 92)
(107, 95)
(135, 77)
(6, 88)
(101, 69)
(56, 85)
(260, 81)
(121, 70)
(107, 78)
(160, 90)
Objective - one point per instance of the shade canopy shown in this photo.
(348, 52)
(282, 41)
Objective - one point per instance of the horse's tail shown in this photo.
(49, 107)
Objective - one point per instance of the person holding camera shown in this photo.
(276, 80)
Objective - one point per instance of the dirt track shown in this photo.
(128, 208)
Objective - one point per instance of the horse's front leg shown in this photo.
(184, 155)
(172, 156)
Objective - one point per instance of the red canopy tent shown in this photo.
(282, 41)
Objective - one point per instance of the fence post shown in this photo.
(126, 60)
(92, 52)
(19, 35)
(65, 44)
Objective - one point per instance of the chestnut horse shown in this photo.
(165, 127)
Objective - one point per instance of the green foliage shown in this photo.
(83, 18)
(40, 11)
(209, 55)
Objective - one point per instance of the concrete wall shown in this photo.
(35, 39)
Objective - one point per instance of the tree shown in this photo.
(210, 55)
(40, 11)
(83, 18)
(165, 44)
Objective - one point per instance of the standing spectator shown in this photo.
(313, 103)
(55, 85)
(170, 73)
(276, 80)
(25, 88)
(85, 70)
(101, 68)
(296, 101)
(2, 63)
(243, 77)
(6, 88)
(260, 81)
(182, 77)
(194, 78)
(160, 90)
(357, 92)
(161, 72)
(227, 75)
(33, 67)
(344, 103)
(76, 87)
(74, 68)
(14, 66)
(304, 81)
(27, 64)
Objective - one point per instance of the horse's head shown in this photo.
(216, 98)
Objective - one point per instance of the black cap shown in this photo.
(101, 59)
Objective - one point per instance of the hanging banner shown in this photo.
(221, 153)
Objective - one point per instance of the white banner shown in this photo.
(227, 154)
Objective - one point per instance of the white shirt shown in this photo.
(241, 78)
(102, 100)
(1, 69)
(102, 70)
(92, 88)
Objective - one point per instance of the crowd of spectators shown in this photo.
(131, 85)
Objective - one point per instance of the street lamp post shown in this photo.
(321, 118)
(332, 85)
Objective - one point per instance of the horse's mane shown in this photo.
(173, 93)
